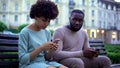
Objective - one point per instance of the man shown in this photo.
(74, 50)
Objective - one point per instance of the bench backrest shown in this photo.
(8, 51)
(98, 44)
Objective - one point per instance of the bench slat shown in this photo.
(8, 56)
(8, 49)
(97, 44)
(8, 36)
(8, 42)
(95, 41)
(13, 64)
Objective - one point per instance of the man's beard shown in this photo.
(74, 29)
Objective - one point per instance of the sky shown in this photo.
(117, 0)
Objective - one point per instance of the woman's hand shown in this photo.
(50, 46)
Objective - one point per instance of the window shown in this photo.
(71, 4)
(27, 18)
(93, 12)
(16, 18)
(4, 7)
(83, 2)
(103, 5)
(4, 18)
(109, 7)
(92, 34)
(57, 1)
(56, 21)
(16, 7)
(28, 6)
(92, 2)
(93, 24)
(104, 25)
(100, 25)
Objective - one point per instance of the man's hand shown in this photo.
(89, 53)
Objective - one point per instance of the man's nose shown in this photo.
(77, 22)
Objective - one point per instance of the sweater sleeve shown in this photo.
(60, 53)
(24, 55)
(86, 42)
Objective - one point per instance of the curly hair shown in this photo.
(44, 8)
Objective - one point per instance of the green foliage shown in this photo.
(115, 57)
(113, 52)
(21, 27)
(2, 26)
(13, 30)
(52, 31)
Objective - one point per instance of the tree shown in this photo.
(3, 26)
(21, 27)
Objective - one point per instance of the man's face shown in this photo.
(76, 21)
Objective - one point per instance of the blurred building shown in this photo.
(15, 12)
(102, 17)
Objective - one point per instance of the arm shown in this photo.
(24, 55)
(49, 53)
(60, 54)
(86, 42)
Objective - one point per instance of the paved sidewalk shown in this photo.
(115, 66)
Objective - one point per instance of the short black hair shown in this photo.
(44, 8)
(77, 11)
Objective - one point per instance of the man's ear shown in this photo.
(69, 18)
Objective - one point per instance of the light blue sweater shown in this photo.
(29, 40)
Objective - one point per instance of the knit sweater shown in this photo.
(71, 43)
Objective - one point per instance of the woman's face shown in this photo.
(42, 22)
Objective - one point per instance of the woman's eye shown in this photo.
(46, 20)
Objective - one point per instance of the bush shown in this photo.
(113, 52)
(2, 26)
(13, 30)
(52, 31)
(115, 57)
(21, 27)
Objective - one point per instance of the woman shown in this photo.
(35, 48)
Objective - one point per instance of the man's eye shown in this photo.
(74, 19)
(44, 20)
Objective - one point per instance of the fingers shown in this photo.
(53, 47)
(56, 41)
(50, 46)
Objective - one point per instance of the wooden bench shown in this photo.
(9, 51)
(98, 44)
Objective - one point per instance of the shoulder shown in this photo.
(83, 32)
(24, 30)
(60, 29)
(46, 31)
